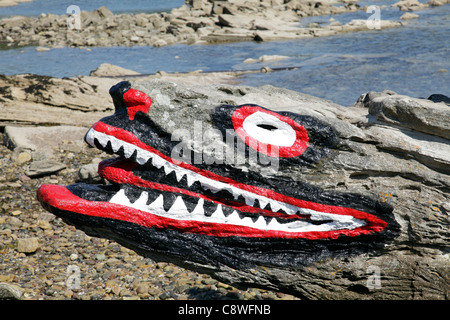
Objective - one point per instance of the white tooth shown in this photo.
(102, 141)
(178, 207)
(142, 157)
(157, 205)
(142, 201)
(157, 161)
(234, 217)
(260, 223)
(275, 206)
(179, 175)
(168, 169)
(262, 202)
(273, 223)
(128, 151)
(120, 198)
(199, 208)
(247, 221)
(218, 213)
(115, 144)
(190, 180)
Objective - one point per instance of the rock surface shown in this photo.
(28, 245)
(106, 69)
(42, 100)
(42, 139)
(393, 148)
(29, 99)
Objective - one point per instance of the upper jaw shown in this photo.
(311, 219)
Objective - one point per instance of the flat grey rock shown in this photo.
(42, 139)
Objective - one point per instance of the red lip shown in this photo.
(60, 198)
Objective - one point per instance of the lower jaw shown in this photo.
(59, 198)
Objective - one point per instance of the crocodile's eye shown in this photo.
(269, 132)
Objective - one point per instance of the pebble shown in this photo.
(23, 158)
(27, 245)
(100, 256)
(16, 212)
(44, 167)
(42, 49)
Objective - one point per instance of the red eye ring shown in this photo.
(269, 132)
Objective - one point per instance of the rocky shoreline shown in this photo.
(196, 22)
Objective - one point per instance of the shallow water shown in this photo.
(410, 60)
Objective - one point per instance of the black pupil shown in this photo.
(267, 126)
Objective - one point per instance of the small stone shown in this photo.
(112, 286)
(130, 298)
(142, 288)
(15, 222)
(154, 291)
(160, 43)
(100, 256)
(42, 49)
(73, 256)
(43, 224)
(23, 158)
(408, 16)
(27, 245)
(44, 167)
(167, 295)
(16, 212)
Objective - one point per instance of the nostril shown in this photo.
(117, 91)
(135, 101)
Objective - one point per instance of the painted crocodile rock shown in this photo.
(231, 199)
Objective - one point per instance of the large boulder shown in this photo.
(384, 161)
